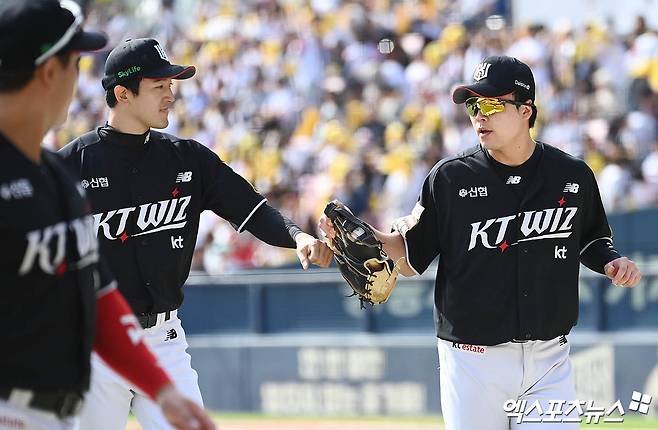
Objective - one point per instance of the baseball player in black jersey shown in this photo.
(511, 220)
(58, 300)
(148, 190)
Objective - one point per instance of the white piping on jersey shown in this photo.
(251, 214)
(164, 227)
(106, 289)
(406, 254)
(546, 236)
(587, 246)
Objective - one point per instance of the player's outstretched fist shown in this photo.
(312, 250)
(181, 412)
(623, 272)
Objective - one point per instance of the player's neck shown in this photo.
(125, 123)
(514, 153)
(23, 126)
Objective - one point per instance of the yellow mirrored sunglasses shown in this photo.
(488, 106)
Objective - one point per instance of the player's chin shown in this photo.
(162, 121)
(488, 142)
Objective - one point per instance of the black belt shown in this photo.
(62, 403)
(150, 320)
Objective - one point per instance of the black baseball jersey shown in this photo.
(49, 274)
(508, 267)
(147, 193)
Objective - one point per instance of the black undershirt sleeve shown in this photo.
(598, 254)
(270, 226)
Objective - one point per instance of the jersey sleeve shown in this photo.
(227, 193)
(421, 240)
(596, 247)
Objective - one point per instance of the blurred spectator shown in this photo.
(301, 98)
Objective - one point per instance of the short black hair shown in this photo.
(533, 117)
(17, 80)
(131, 84)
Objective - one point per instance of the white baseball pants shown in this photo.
(14, 417)
(476, 381)
(110, 397)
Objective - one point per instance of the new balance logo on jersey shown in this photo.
(151, 218)
(183, 177)
(571, 187)
(535, 225)
(47, 247)
(171, 334)
(514, 180)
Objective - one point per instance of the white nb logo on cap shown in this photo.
(161, 52)
(481, 71)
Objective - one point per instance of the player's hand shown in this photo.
(312, 250)
(326, 226)
(623, 272)
(181, 412)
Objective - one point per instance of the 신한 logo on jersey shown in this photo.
(474, 192)
(16, 189)
(101, 182)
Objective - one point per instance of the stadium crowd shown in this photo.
(304, 99)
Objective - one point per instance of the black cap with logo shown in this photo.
(143, 58)
(498, 76)
(32, 31)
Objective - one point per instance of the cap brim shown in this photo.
(478, 89)
(87, 41)
(172, 71)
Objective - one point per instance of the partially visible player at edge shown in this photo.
(511, 219)
(147, 191)
(58, 301)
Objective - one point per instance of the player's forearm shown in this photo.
(270, 226)
(393, 245)
(598, 254)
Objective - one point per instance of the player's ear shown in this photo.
(526, 109)
(121, 93)
(48, 73)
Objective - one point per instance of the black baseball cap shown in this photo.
(497, 76)
(143, 58)
(31, 31)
